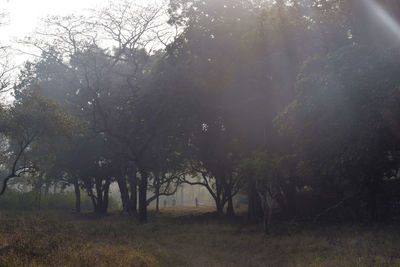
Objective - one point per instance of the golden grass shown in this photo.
(176, 237)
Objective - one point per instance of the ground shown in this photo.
(188, 237)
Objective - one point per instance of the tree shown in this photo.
(31, 123)
(240, 61)
(108, 87)
(353, 138)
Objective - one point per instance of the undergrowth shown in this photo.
(177, 237)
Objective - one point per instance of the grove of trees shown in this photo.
(293, 103)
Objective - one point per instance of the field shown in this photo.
(187, 237)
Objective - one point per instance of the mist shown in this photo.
(199, 133)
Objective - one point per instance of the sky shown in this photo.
(24, 15)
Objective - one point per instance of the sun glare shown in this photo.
(384, 17)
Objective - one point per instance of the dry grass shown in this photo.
(183, 237)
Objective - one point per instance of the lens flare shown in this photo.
(391, 24)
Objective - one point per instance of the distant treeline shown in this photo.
(19, 201)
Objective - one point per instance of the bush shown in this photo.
(14, 200)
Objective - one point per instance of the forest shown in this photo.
(286, 113)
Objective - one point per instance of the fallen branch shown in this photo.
(332, 207)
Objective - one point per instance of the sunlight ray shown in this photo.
(384, 17)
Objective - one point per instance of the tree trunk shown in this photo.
(372, 202)
(99, 206)
(40, 197)
(123, 189)
(266, 222)
(77, 196)
(230, 211)
(46, 188)
(157, 203)
(219, 198)
(143, 196)
(254, 210)
(220, 211)
(182, 199)
(94, 203)
(106, 195)
(157, 189)
(220, 206)
(99, 196)
(102, 196)
(133, 196)
(267, 214)
(105, 203)
(287, 201)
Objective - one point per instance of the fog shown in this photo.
(270, 127)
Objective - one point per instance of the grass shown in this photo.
(187, 237)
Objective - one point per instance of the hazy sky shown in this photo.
(24, 15)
